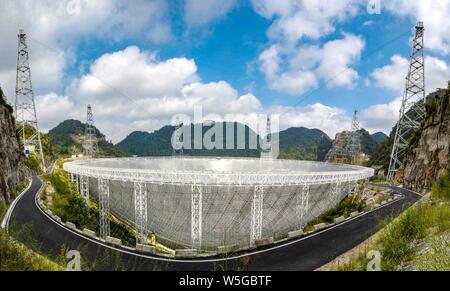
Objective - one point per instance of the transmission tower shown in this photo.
(354, 141)
(412, 111)
(25, 107)
(90, 143)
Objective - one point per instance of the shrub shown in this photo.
(441, 189)
(3, 209)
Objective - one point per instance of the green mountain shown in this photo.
(158, 143)
(304, 144)
(295, 143)
(368, 143)
(379, 137)
(67, 139)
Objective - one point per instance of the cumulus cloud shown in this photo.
(52, 109)
(295, 71)
(203, 12)
(435, 16)
(381, 117)
(296, 19)
(54, 29)
(392, 76)
(135, 88)
(331, 120)
(292, 67)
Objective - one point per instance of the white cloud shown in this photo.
(392, 76)
(54, 31)
(295, 19)
(136, 89)
(292, 67)
(52, 109)
(381, 117)
(203, 12)
(331, 120)
(338, 56)
(297, 70)
(435, 16)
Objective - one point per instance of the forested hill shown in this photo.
(67, 139)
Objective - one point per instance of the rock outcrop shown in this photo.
(12, 168)
(428, 156)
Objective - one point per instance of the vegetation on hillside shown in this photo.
(304, 144)
(15, 256)
(344, 208)
(379, 137)
(66, 203)
(295, 143)
(417, 240)
(159, 143)
(66, 139)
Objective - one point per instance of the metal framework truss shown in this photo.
(302, 205)
(90, 144)
(335, 173)
(336, 190)
(257, 214)
(74, 179)
(354, 142)
(140, 208)
(25, 107)
(103, 193)
(84, 188)
(413, 110)
(196, 216)
(203, 209)
(352, 187)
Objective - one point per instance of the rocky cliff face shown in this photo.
(12, 167)
(429, 151)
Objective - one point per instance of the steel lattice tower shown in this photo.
(412, 111)
(90, 143)
(354, 142)
(25, 107)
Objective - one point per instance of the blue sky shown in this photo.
(141, 62)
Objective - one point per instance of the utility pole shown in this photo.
(90, 143)
(354, 142)
(25, 107)
(412, 111)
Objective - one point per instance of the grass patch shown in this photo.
(380, 180)
(3, 209)
(401, 241)
(441, 189)
(15, 256)
(344, 208)
(70, 206)
(19, 188)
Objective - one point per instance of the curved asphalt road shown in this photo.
(304, 254)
